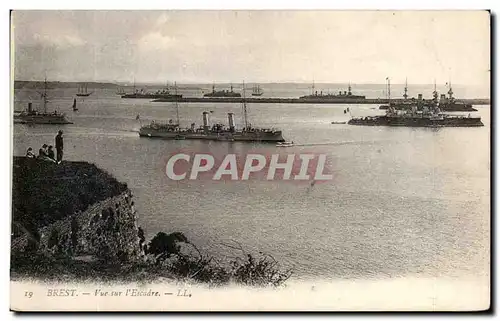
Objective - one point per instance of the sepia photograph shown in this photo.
(250, 160)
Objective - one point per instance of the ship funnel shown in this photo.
(230, 117)
(205, 121)
(419, 96)
(30, 108)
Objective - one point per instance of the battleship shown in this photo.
(159, 94)
(445, 103)
(217, 131)
(31, 116)
(428, 116)
(222, 93)
(342, 96)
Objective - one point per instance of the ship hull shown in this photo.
(332, 98)
(41, 120)
(417, 121)
(226, 136)
(83, 95)
(446, 107)
(151, 96)
(226, 95)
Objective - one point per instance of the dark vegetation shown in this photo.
(165, 259)
(54, 191)
(247, 269)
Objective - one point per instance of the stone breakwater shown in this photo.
(313, 100)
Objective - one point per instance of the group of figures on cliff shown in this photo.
(46, 152)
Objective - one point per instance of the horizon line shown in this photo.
(236, 83)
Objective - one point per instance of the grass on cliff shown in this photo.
(163, 260)
(44, 192)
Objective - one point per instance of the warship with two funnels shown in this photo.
(216, 131)
(346, 96)
(222, 93)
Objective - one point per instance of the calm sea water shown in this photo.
(403, 201)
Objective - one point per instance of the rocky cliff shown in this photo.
(74, 210)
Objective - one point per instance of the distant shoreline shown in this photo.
(28, 84)
(236, 84)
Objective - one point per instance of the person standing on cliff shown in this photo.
(59, 146)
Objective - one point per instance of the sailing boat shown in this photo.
(82, 91)
(74, 105)
(120, 91)
(257, 91)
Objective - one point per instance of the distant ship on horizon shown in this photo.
(257, 91)
(120, 91)
(346, 95)
(222, 93)
(159, 94)
(83, 91)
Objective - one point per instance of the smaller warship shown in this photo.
(346, 95)
(215, 131)
(159, 94)
(31, 116)
(429, 115)
(222, 93)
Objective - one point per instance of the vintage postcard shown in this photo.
(250, 160)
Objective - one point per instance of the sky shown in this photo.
(253, 46)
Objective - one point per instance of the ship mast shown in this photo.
(405, 96)
(388, 89)
(176, 103)
(450, 91)
(44, 96)
(245, 115)
(435, 93)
